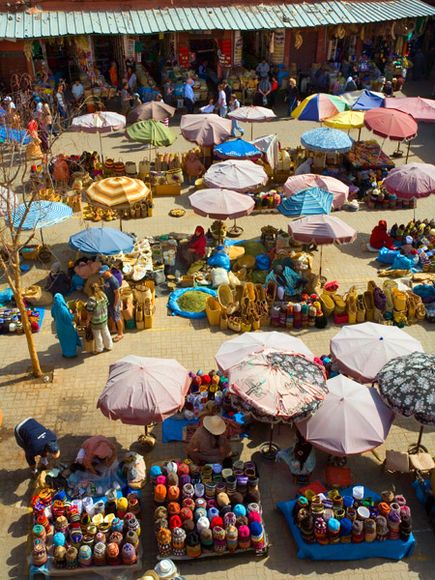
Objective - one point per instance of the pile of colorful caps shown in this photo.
(85, 532)
(206, 509)
(333, 518)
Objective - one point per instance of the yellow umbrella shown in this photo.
(346, 120)
(117, 191)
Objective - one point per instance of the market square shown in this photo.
(214, 326)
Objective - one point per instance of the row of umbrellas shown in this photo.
(275, 377)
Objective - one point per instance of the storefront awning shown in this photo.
(46, 24)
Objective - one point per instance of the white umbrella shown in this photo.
(361, 350)
(100, 122)
(233, 351)
(238, 175)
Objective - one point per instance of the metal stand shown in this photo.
(235, 231)
(418, 447)
(269, 449)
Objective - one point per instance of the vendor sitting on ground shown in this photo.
(379, 237)
(208, 443)
(300, 458)
(195, 248)
(37, 441)
(95, 455)
(58, 281)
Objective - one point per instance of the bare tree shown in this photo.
(14, 175)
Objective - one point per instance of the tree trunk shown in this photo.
(36, 366)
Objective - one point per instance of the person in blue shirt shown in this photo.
(189, 96)
(36, 440)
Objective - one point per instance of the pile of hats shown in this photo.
(206, 509)
(85, 533)
(204, 388)
(333, 518)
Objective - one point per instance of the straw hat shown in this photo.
(215, 425)
(150, 575)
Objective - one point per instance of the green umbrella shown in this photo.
(152, 132)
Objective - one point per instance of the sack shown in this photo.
(262, 262)
(402, 263)
(127, 309)
(386, 256)
(380, 299)
(37, 296)
(219, 276)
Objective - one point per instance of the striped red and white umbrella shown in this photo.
(116, 191)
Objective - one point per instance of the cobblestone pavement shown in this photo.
(68, 404)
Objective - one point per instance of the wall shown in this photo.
(12, 61)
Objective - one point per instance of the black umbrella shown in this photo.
(407, 384)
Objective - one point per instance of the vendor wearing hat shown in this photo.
(208, 443)
(36, 440)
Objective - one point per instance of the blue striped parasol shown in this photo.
(41, 214)
(312, 201)
(327, 140)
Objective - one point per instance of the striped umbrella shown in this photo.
(117, 191)
(312, 201)
(157, 110)
(297, 183)
(151, 132)
(318, 107)
(327, 140)
(40, 214)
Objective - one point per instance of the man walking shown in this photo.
(189, 96)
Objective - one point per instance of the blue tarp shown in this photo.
(392, 549)
(312, 201)
(237, 149)
(106, 241)
(368, 100)
(176, 294)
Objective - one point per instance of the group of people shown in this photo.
(104, 315)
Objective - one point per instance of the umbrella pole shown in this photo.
(252, 131)
(359, 134)
(407, 152)
(418, 447)
(120, 223)
(269, 449)
(101, 147)
(321, 258)
(376, 455)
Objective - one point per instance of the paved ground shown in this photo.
(68, 404)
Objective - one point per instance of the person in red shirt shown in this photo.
(379, 237)
(195, 248)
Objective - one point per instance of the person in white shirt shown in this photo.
(221, 105)
(210, 108)
(78, 91)
(234, 105)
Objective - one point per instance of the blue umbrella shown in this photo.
(237, 149)
(368, 100)
(312, 201)
(106, 241)
(41, 214)
(327, 140)
(16, 135)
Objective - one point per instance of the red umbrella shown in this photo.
(391, 124)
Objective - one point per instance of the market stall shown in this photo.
(90, 520)
(207, 511)
(350, 524)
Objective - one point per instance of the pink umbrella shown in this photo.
(233, 351)
(421, 109)
(239, 175)
(362, 350)
(205, 130)
(321, 229)
(252, 114)
(297, 183)
(141, 390)
(352, 419)
(411, 180)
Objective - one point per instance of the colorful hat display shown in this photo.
(175, 522)
(128, 554)
(257, 536)
(244, 537)
(160, 493)
(239, 510)
(193, 545)
(85, 556)
(173, 493)
(172, 479)
(206, 538)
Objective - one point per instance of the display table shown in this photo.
(368, 155)
(391, 549)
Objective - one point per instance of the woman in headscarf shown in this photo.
(65, 329)
(379, 237)
(194, 249)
